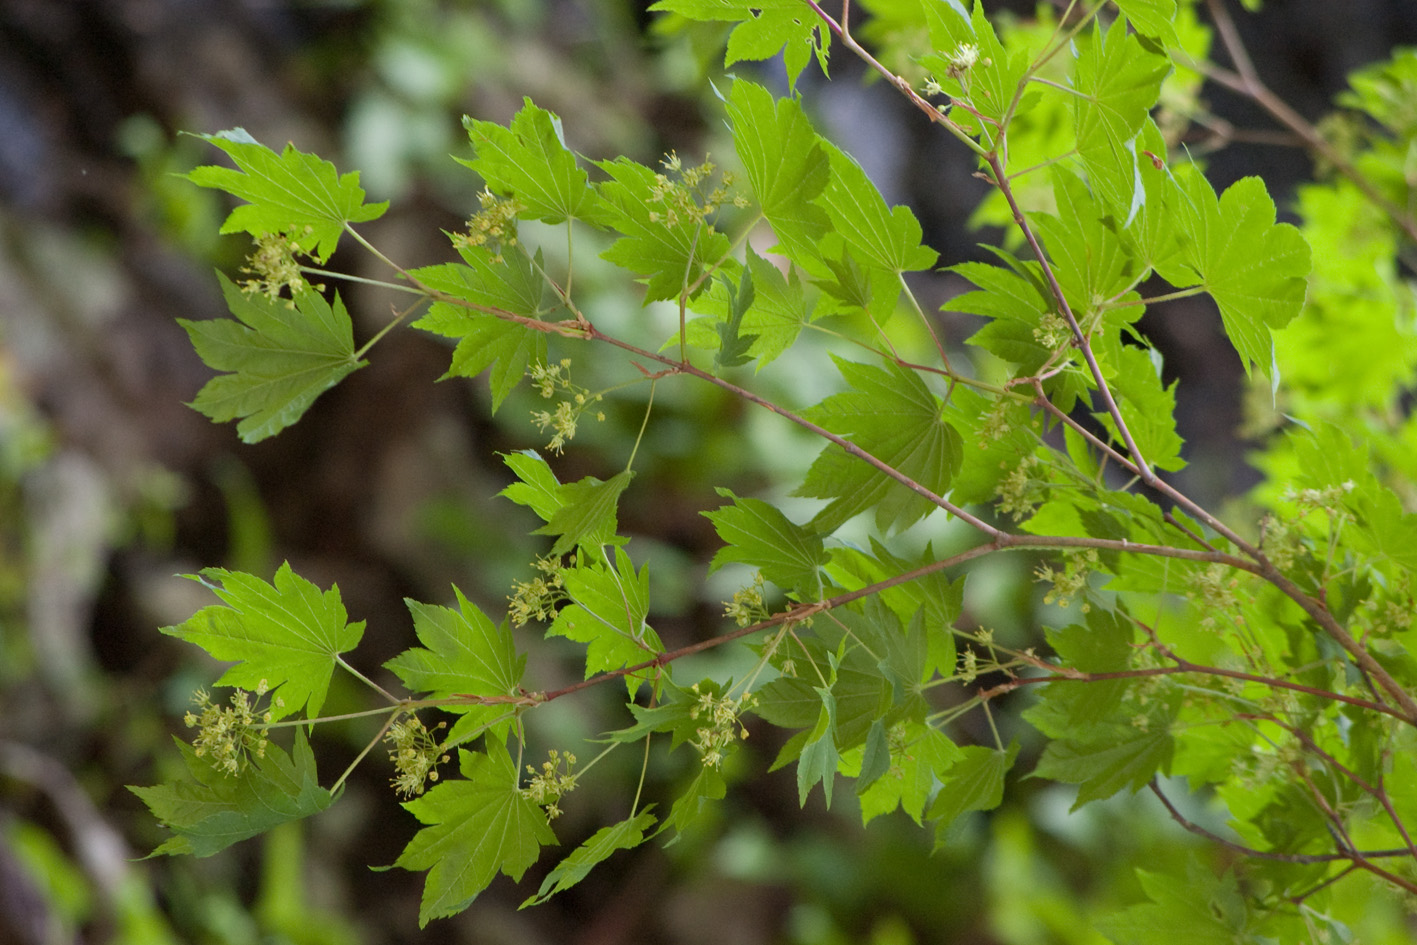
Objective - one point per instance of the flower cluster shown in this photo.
(494, 226)
(1213, 590)
(1282, 541)
(722, 727)
(229, 735)
(1019, 490)
(995, 424)
(273, 267)
(553, 379)
(964, 58)
(679, 193)
(747, 606)
(554, 781)
(416, 755)
(537, 599)
(1070, 581)
(1052, 332)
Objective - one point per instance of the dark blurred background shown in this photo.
(109, 486)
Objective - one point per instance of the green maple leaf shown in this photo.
(974, 782)
(1153, 18)
(819, 758)
(529, 160)
(760, 536)
(674, 716)
(581, 514)
(215, 809)
(1016, 293)
(891, 414)
(1088, 257)
(1254, 268)
(1148, 407)
(1199, 908)
(1104, 645)
(706, 785)
(925, 759)
(625, 835)
(287, 634)
(1113, 757)
(463, 652)
(794, 31)
(780, 309)
(786, 166)
(776, 314)
(733, 346)
(291, 192)
(474, 828)
(608, 613)
(486, 340)
(933, 598)
(586, 516)
(854, 286)
(537, 487)
(861, 684)
(281, 355)
(788, 702)
(670, 253)
(887, 238)
(1117, 81)
(512, 285)
(764, 28)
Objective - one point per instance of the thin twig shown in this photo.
(1198, 830)
(1246, 81)
(1080, 340)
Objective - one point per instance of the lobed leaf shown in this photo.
(581, 514)
(529, 161)
(474, 828)
(819, 758)
(625, 835)
(292, 192)
(215, 810)
(733, 345)
(923, 759)
(991, 83)
(463, 653)
(974, 782)
(486, 337)
(764, 29)
(288, 635)
(1152, 18)
(886, 237)
(608, 613)
(760, 536)
(1113, 757)
(1253, 267)
(671, 253)
(892, 415)
(786, 166)
(1117, 81)
(281, 355)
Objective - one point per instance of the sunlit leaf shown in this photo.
(288, 635)
(292, 192)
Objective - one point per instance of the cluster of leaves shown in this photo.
(1264, 661)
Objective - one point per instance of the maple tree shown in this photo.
(1259, 657)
